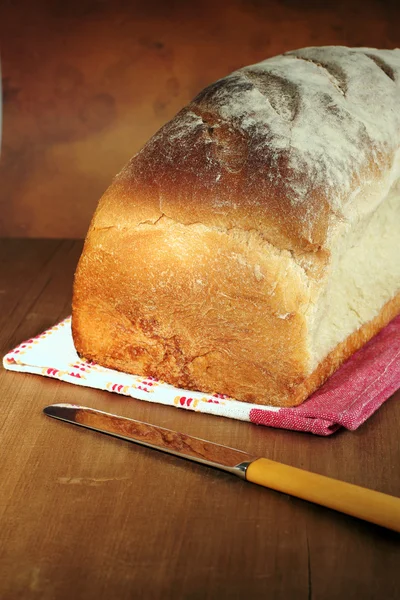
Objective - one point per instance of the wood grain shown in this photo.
(87, 82)
(90, 517)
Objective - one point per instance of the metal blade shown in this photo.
(166, 440)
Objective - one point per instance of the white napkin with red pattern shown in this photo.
(347, 399)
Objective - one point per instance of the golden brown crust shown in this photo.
(196, 307)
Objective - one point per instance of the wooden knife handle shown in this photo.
(353, 500)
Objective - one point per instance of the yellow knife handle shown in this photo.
(353, 500)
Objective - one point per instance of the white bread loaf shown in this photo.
(253, 244)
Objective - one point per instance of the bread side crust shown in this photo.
(345, 349)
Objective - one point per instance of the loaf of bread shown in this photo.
(253, 244)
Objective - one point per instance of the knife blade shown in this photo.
(369, 505)
(152, 436)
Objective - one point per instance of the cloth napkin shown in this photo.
(347, 399)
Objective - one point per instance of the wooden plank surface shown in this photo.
(87, 516)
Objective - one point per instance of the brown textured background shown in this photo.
(87, 82)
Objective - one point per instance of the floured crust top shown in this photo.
(290, 147)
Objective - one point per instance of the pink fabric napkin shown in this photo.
(347, 399)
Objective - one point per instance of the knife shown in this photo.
(372, 506)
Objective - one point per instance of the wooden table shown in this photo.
(87, 516)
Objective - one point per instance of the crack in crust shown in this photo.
(387, 69)
(282, 95)
(309, 262)
(334, 73)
